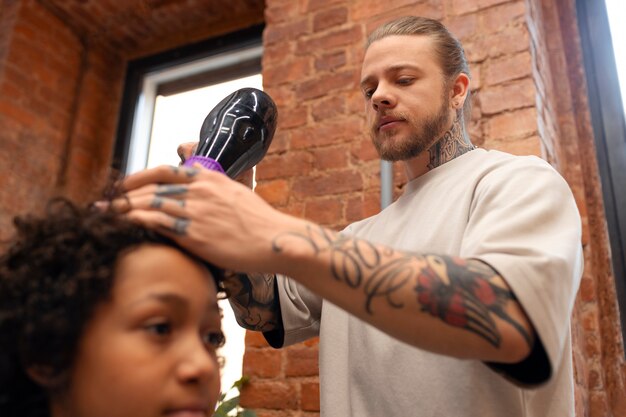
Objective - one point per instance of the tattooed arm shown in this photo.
(453, 306)
(253, 300)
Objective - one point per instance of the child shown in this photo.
(102, 318)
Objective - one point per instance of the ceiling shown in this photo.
(137, 27)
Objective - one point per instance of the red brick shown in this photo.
(330, 62)
(288, 72)
(465, 6)
(515, 124)
(366, 8)
(314, 5)
(24, 116)
(526, 146)
(364, 150)
(510, 96)
(464, 26)
(276, 53)
(592, 346)
(280, 143)
(327, 108)
(294, 209)
(293, 116)
(278, 13)
(509, 41)
(475, 77)
(330, 158)
(329, 41)
(496, 18)
(310, 392)
(274, 192)
(279, 166)
(277, 413)
(337, 182)
(285, 32)
(359, 208)
(509, 67)
(301, 361)
(255, 339)
(587, 289)
(325, 84)
(325, 212)
(263, 363)
(329, 133)
(269, 394)
(598, 405)
(329, 18)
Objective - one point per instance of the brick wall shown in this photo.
(61, 73)
(40, 68)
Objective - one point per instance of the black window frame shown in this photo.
(609, 129)
(139, 68)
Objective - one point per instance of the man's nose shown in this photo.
(382, 98)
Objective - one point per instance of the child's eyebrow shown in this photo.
(177, 301)
(173, 299)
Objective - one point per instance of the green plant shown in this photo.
(231, 407)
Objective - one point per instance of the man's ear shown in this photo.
(45, 376)
(459, 91)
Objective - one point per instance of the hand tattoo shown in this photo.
(168, 189)
(180, 226)
(158, 202)
(189, 172)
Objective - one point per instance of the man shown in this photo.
(453, 301)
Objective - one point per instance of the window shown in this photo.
(166, 99)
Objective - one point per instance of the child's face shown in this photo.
(150, 350)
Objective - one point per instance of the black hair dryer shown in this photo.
(237, 133)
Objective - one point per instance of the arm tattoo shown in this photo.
(252, 298)
(459, 292)
(455, 142)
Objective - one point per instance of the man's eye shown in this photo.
(159, 329)
(215, 340)
(405, 81)
(368, 93)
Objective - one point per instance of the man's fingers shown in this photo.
(150, 201)
(159, 175)
(170, 226)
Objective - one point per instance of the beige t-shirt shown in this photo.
(515, 213)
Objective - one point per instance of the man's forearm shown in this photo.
(453, 306)
(253, 299)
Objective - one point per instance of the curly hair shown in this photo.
(57, 269)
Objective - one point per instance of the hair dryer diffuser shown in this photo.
(237, 133)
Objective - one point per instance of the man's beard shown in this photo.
(424, 134)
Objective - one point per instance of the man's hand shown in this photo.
(187, 149)
(206, 212)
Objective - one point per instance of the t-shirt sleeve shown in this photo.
(524, 223)
(300, 311)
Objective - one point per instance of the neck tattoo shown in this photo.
(455, 142)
